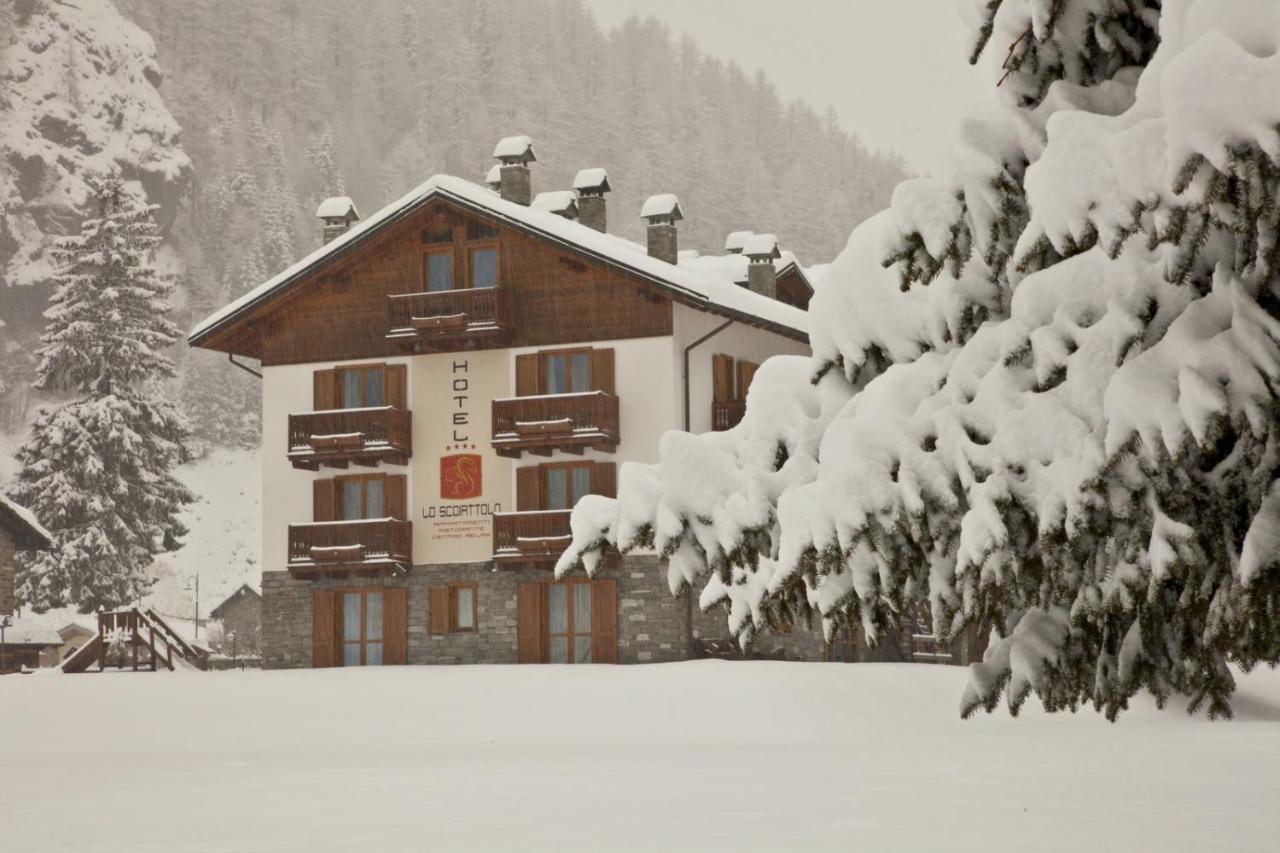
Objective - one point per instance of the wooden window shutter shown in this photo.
(397, 497)
(604, 621)
(324, 501)
(746, 372)
(602, 370)
(721, 378)
(438, 610)
(395, 626)
(325, 390)
(528, 488)
(324, 628)
(529, 622)
(604, 479)
(397, 385)
(527, 375)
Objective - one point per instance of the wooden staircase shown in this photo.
(138, 640)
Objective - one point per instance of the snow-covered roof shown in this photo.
(30, 632)
(494, 176)
(736, 240)
(687, 255)
(761, 246)
(22, 526)
(515, 148)
(338, 207)
(734, 266)
(556, 201)
(702, 289)
(592, 180)
(663, 204)
(241, 592)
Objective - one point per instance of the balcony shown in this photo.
(369, 545)
(339, 437)
(568, 422)
(449, 319)
(530, 537)
(726, 415)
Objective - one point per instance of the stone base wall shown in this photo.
(652, 625)
(7, 573)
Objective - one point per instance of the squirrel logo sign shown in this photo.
(460, 477)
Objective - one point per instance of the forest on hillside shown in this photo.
(281, 104)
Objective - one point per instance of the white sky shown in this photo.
(895, 70)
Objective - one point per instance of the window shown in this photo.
(361, 628)
(361, 497)
(567, 372)
(484, 268)
(361, 387)
(566, 484)
(569, 623)
(462, 607)
(439, 271)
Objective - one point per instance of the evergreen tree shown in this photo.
(97, 470)
(1048, 393)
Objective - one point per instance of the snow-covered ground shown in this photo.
(699, 756)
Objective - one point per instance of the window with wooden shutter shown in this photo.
(323, 501)
(528, 488)
(604, 479)
(397, 498)
(325, 390)
(397, 382)
(527, 374)
(529, 622)
(604, 621)
(438, 611)
(746, 372)
(395, 626)
(602, 378)
(462, 607)
(722, 390)
(324, 629)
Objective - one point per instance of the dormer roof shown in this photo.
(23, 528)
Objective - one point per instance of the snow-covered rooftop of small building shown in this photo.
(14, 518)
(761, 245)
(336, 208)
(518, 147)
(663, 204)
(734, 267)
(556, 201)
(591, 179)
(700, 287)
(31, 632)
(494, 176)
(736, 240)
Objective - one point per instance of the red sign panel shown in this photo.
(460, 477)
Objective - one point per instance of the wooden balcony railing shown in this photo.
(448, 316)
(530, 537)
(368, 544)
(726, 415)
(340, 436)
(570, 422)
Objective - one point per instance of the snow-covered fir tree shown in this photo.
(98, 470)
(1044, 391)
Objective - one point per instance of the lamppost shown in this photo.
(197, 590)
(5, 622)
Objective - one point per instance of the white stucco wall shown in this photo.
(738, 340)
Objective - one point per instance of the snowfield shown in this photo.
(699, 756)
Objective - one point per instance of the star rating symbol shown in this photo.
(460, 447)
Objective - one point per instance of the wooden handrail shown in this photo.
(727, 414)
(382, 426)
(480, 306)
(592, 412)
(518, 532)
(379, 538)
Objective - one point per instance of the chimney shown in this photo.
(336, 215)
(591, 185)
(494, 178)
(734, 242)
(560, 202)
(761, 251)
(514, 154)
(662, 212)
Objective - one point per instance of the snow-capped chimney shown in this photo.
(514, 154)
(591, 185)
(336, 215)
(662, 212)
(735, 241)
(761, 251)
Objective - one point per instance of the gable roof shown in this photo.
(22, 526)
(704, 290)
(242, 592)
(30, 632)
